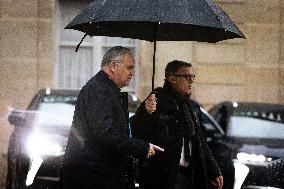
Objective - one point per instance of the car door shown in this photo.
(220, 148)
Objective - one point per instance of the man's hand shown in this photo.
(150, 103)
(152, 150)
(218, 182)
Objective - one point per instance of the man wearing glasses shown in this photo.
(170, 119)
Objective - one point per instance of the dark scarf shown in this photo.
(183, 102)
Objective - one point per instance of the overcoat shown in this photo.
(98, 142)
(167, 127)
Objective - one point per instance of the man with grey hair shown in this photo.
(98, 143)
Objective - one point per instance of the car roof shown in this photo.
(254, 106)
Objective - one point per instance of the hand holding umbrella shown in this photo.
(151, 103)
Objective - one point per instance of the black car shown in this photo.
(38, 141)
(37, 144)
(254, 134)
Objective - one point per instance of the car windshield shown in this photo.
(55, 113)
(255, 125)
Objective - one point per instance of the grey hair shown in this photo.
(115, 54)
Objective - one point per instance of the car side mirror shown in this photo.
(17, 118)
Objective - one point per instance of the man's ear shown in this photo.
(113, 66)
(172, 79)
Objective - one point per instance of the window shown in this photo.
(252, 127)
(73, 69)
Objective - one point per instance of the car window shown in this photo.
(51, 124)
(253, 127)
(59, 114)
(53, 115)
(55, 111)
(58, 111)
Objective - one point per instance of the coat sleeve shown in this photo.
(142, 123)
(99, 112)
(213, 169)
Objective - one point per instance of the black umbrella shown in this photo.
(156, 20)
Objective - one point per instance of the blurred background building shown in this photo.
(36, 52)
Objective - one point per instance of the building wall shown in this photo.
(27, 58)
(245, 70)
(281, 61)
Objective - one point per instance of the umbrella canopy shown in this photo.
(156, 20)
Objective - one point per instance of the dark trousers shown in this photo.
(99, 179)
(157, 175)
(185, 178)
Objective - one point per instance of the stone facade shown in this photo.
(27, 58)
(241, 70)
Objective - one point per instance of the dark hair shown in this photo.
(115, 53)
(174, 66)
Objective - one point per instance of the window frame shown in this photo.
(97, 44)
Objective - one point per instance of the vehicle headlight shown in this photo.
(252, 158)
(43, 145)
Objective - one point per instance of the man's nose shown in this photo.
(190, 81)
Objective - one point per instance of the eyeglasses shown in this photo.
(188, 77)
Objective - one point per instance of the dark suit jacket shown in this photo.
(166, 127)
(98, 143)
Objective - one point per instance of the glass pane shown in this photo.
(74, 69)
(55, 114)
(69, 9)
(67, 76)
(255, 128)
